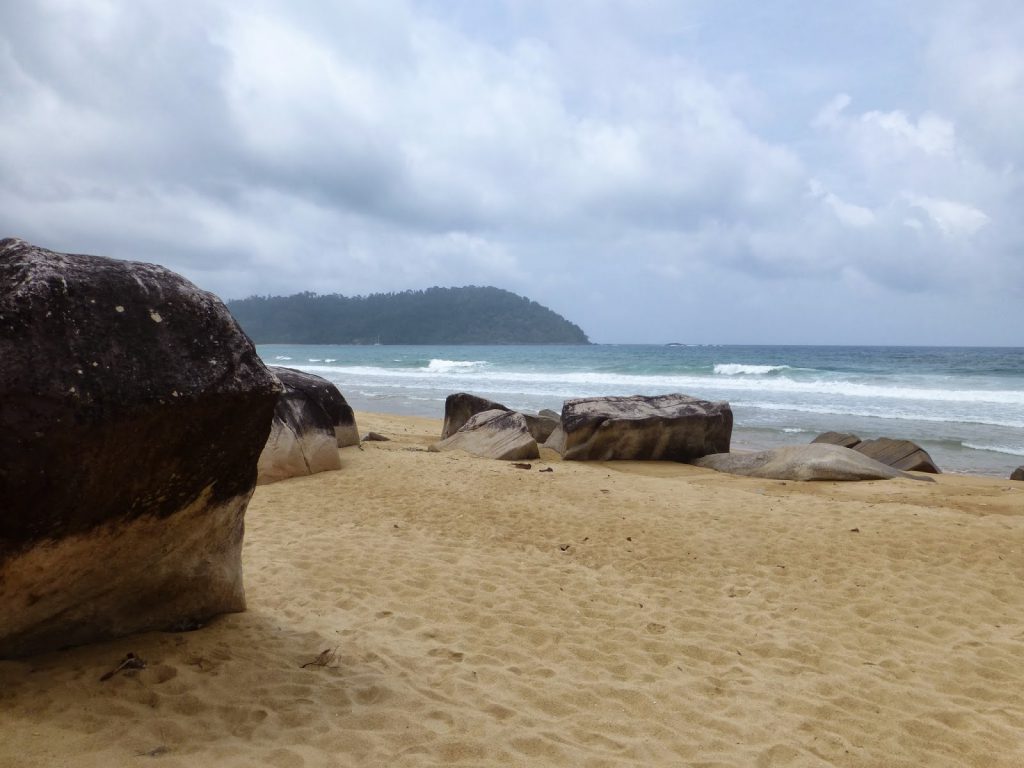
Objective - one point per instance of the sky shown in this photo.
(696, 171)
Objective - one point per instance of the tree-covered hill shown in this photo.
(469, 315)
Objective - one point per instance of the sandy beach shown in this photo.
(600, 614)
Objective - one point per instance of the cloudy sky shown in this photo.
(718, 171)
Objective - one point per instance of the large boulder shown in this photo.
(1018, 473)
(458, 409)
(328, 397)
(901, 454)
(302, 437)
(669, 427)
(494, 434)
(132, 412)
(817, 461)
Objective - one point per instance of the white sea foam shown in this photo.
(794, 430)
(452, 366)
(282, 357)
(741, 369)
(996, 448)
(315, 360)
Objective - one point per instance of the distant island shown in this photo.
(467, 315)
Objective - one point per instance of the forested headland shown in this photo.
(467, 315)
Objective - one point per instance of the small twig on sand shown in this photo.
(130, 661)
(325, 659)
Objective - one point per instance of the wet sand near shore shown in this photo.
(419, 608)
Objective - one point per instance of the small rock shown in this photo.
(374, 437)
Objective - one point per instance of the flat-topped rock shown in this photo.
(664, 427)
(132, 412)
(494, 434)
(817, 461)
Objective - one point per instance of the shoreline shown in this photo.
(602, 614)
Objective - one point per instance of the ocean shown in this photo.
(965, 406)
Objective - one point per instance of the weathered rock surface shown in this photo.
(1017, 474)
(668, 427)
(901, 454)
(132, 413)
(302, 437)
(549, 414)
(540, 426)
(329, 398)
(817, 461)
(837, 438)
(494, 434)
(458, 409)
(556, 440)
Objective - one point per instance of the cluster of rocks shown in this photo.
(136, 419)
(667, 427)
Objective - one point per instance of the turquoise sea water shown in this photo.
(964, 405)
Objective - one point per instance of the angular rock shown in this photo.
(837, 438)
(541, 427)
(328, 397)
(1017, 474)
(494, 434)
(665, 427)
(556, 440)
(900, 454)
(302, 437)
(458, 409)
(132, 412)
(817, 461)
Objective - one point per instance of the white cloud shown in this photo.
(952, 218)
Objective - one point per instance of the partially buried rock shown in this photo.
(837, 438)
(132, 413)
(817, 461)
(901, 454)
(302, 439)
(494, 434)
(1017, 474)
(460, 407)
(668, 427)
(328, 397)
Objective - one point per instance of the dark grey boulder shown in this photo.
(329, 398)
(817, 461)
(132, 413)
(493, 434)
(302, 438)
(458, 409)
(1017, 474)
(667, 427)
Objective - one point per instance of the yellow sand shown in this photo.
(597, 615)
